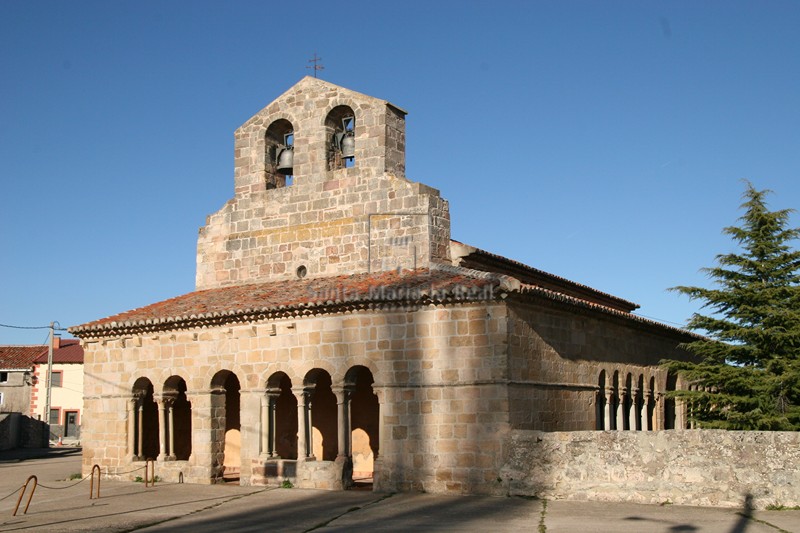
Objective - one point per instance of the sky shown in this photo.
(605, 142)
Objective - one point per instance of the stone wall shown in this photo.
(686, 467)
(18, 430)
(438, 373)
(10, 436)
(368, 217)
(557, 356)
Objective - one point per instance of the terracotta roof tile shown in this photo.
(267, 301)
(547, 280)
(302, 296)
(20, 356)
(69, 352)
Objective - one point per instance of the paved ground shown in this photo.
(60, 505)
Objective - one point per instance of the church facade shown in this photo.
(338, 335)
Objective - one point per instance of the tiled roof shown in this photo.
(26, 356)
(535, 283)
(300, 298)
(528, 291)
(534, 276)
(18, 357)
(69, 352)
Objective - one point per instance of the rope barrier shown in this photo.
(22, 493)
(10, 494)
(128, 472)
(91, 486)
(67, 487)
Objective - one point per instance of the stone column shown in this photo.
(646, 400)
(264, 430)
(161, 430)
(272, 421)
(343, 419)
(302, 420)
(609, 395)
(132, 429)
(310, 423)
(141, 431)
(171, 429)
(633, 415)
(621, 410)
(680, 414)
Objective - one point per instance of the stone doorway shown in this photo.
(145, 421)
(226, 443)
(364, 422)
(281, 420)
(177, 420)
(322, 441)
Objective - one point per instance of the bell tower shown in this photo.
(320, 190)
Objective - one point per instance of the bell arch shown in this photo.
(279, 154)
(616, 403)
(638, 396)
(600, 402)
(650, 404)
(628, 403)
(363, 433)
(177, 420)
(340, 129)
(671, 420)
(226, 427)
(281, 422)
(321, 413)
(145, 421)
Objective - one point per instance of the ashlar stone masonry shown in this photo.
(339, 336)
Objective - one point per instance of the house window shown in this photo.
(55, 416)
(55, 380)
(3, 377)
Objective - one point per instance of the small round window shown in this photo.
(302, 271)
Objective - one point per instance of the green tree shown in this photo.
(748, 376)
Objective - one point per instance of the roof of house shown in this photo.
(69, 351)
(18, 357)
(472, 257)
(300, 297)
(305, 297)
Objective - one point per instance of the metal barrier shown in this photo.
(149, 470)
(22, 493)
(91, 483)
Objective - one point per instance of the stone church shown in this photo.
(338, 335)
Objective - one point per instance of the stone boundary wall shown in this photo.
(686, 467)
(18, 430)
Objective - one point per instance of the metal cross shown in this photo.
(316, 67)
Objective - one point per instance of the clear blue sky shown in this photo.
(602, 141)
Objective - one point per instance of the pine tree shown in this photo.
(749, 374)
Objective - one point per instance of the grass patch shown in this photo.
(781, 507)
(542, 526)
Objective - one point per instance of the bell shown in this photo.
(349, 146)
(285, 160)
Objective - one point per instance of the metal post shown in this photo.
(49, 374)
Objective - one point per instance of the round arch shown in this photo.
(178, 423)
